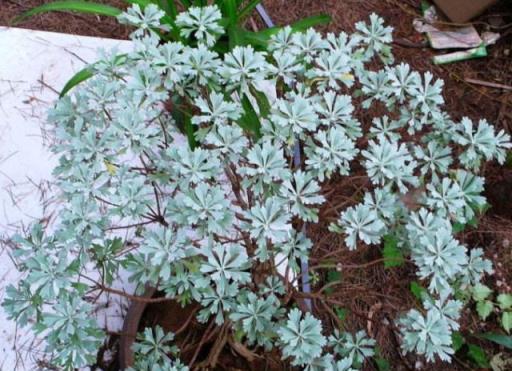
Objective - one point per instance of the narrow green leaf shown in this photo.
(391, 253)
(246, 11)
(332, 276)
(235, 37)
(169, 8)
(506, 321)
(457, 341)
(263, 103)
(189, 130)
(229, 10)
(478, 355)
(382, 364)
(504, 340)
(74, 6)
(80, 287)
(259, 40)
(341, 313)
(309, 22)
(249, 120)
(141, 3)
(458, 227)
(78, 78)
(417, 290)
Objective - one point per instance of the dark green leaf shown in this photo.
(417, 290)
(457, 341)
(458, 227)
(341, 313)
(229, 11)
(263, 103)
(309, 22)
(508, 160)
(80, 287)
(333, 276)
(169, 8)
(249, 120)
(382, 364)
(74, 6)
(78, 78)
(236, 37)
(142, 3)
(391, 253)
(189, 130)
(504, 340)
(246, 11)
(478, 355)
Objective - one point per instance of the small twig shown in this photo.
(356, 266)
(187, 322)
(41, 81)
(136, 298)
(201, 343)
(131, 225)
(489, 84)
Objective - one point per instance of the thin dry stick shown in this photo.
(187, 322)
(489, 84)
(136, 298)
(201, 343)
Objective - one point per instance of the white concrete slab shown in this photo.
(34, 66)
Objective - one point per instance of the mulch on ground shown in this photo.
(73, 23)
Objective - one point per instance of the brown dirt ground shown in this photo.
(372, 294)
(78, 24)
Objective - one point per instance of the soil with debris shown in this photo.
(73, 23)
(370, 295)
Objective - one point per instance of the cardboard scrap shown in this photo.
(452, 37)
(461, 11)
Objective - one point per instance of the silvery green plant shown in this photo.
(196, 218)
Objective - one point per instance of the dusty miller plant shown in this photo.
(198, 218)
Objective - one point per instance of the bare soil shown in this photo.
(73, 23)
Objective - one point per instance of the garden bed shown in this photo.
(371, 295)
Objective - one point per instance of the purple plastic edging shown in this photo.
(304, 264)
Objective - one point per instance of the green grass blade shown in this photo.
(504, 340)
(78, 78)
(190, 132)
(249, 120)
(169, 7)
(142, 3)
(309, 22)
(73, 6)
(258, 39)
(247, 9)
(262, 36)
(229, 10)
